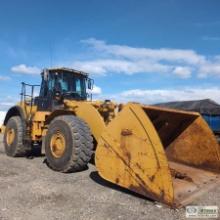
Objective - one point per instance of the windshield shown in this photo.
(69, 84)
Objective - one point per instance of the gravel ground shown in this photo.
(30, 190)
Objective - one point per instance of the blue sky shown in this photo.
(146, 51)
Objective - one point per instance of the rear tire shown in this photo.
(68, 144)
(13, 138)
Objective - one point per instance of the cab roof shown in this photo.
(64, 69)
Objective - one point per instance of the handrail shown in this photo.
(24, 96)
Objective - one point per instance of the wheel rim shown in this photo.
(57, 144)
(10, 136)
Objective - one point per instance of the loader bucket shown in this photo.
(168, 155)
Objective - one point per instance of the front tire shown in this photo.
(68, 144)
(13, 138)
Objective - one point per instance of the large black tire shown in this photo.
(78, 143)
(15, 147)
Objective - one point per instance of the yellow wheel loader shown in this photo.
(168, 155)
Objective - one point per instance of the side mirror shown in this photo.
(90, 84)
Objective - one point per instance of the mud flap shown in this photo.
(151, 151)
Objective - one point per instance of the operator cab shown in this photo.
(62, 83)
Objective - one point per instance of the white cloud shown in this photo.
(104, 66)
(7, 102)
(209, 69)
(2, 117)
(182, 72)
(113, 58)
(22, 68)
(182, 63)
(2, 78)
(167, 95)
(210, 38)
(207, 23)
(95, 91)
(167, 54)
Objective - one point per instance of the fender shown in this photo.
(14, 111)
